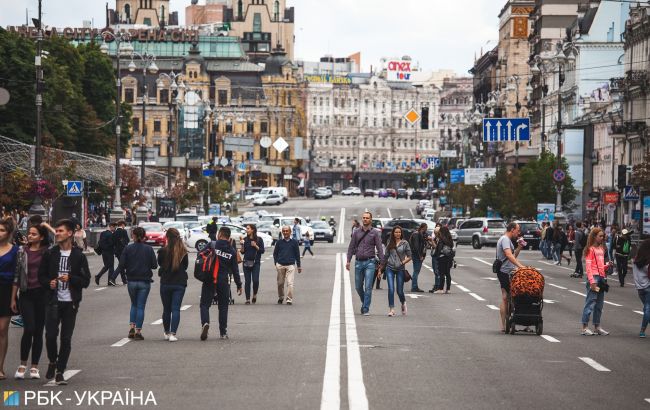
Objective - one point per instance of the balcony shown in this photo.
(636, 78)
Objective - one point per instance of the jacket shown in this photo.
(167, 277)
(286, 252)
(619, 243)
(138, 262)
(418, 245)
(22, 268)
(394, 257)
(106, 243)
(251, 253)
(79, 272)
(227, 260)
(120, 241)
(212, 230)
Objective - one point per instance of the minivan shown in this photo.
(282, 191)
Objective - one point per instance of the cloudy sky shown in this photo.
(438, 34)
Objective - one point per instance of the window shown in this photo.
(257, 23)
(289, 99)
(264, 127)
(129, 95)
(164, 96)
(222, 96)
(320, 101)
(156, 126)
(250, 126)
(136, 124)
(229, 126)
(342, 102)
(336, 102)
(374, 122)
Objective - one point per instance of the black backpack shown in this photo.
(583, 240)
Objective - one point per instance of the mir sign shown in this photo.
(398, 70)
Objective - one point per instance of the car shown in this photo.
(154, 233)
(322, 193)
(421, 194)
(443, 221)
(431, 226)
(369, 193)
(402, 193)
(351, 191)
(187, 217)
(429, 213)
(392, 193)
(382, 193)
(271, 199)
(265, 227)
(270, 217)
(199, 239)
(322, 231)
(453, 222)
(408, 227)
(531, 233)
(481, 231)
(288, 221)
(422, 204)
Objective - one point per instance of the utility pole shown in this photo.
(558, 203)
(37, 206)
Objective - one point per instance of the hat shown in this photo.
(625, 232)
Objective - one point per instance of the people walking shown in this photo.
(622, 245)
(120, 242)
(365, 246)
(307, 244)
(548, 240)
(641, 272)
(137, 262)
(562, 242)
(543, 246)
(398, 254)
(212, 228)
(579, 244)
(64, 273)
(106, 247)
(613, 231)
(433, 243)
(32, 299)
(8, 261)
(507, 256)
(218, 283)
(596, 283)
(286, 257)
(173, 262)
(252, 248)
(445, 252)
(418, 244)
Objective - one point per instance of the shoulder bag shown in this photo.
(250, 263)
(496, 265)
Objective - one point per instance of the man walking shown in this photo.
(578, 247)
(64, 272)
(548, 240)
(226, 264)
(507, 254)
(107, 249)
(120, 240)
(212, 229)
(622, 245)
(365, 246)
(286, 256)
(418, 243)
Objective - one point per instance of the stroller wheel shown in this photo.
(539, 328)
(512, 327)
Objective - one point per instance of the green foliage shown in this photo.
(463, 195)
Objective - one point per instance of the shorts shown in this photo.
(5, 300)
(504, 281)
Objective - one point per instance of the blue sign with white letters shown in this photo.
(457, 176)
(433, 161)
(74, 188)
(506, 129)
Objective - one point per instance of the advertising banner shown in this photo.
(398, 70)
(646, 215)
(611, 197)
(166, 208)
(476, 176)
(545, 212)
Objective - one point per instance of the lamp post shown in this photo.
(122, 41)
(176, 85)
(37, 206)
(514, 86)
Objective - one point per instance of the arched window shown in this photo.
(127, 12)
(276, 10)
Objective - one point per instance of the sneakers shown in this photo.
(601, 332)
(224, 336)
(404, 309)
(248, 302)
(111, 283)
(138, 336)
(17, 321)
(20, 373)
(587, 332)
(280, 301)
(254, 299)
(131, 333)
(51, 369)
(204, 331)
(60, 380)
(391, 313)
(417, 290)
(167, 336)
(289, 303)
(34, 373)
(172, 338)
(642, 334)
(366, 313)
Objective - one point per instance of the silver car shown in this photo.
(481, 231)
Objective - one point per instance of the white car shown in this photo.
(199, 239)
(429, 214)
(288, 221)
(351, 191)
(272, 199)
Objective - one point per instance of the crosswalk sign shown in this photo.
(74, 188)
(631, 194)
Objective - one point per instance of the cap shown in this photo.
(625, 232)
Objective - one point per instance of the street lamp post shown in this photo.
(37, 206)
(514, 83)
(176, 85)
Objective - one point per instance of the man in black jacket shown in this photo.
(64, 272)
(418, 243)
(106, 246)
(212, 229)
(120, 240)
(225, 265)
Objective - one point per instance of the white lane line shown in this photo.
(339, 240)
(648, 400)
(488, 278)
(68, 374)
(550, 339)
(639, 312)
(454, 283)
(550, 301)
(557, 266)
(613, 304)
(557, 286)
(463, 288)
(597, 366)
(412, 214)
(482, 261)
(331, 397)
(157, 322)
(477, 297)
(121, 342)
(492, 307)
(389, 214)
(185, 307)
(357, 398)
(100, 289)
(577, 293)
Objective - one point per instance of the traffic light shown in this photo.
(622, 176)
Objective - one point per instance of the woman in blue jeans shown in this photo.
(641, 270)
(398, 254)
(173, 262)
(595, 268)
(138, 262)
(252, 249)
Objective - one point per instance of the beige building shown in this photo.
(153, 13)
(201, 14)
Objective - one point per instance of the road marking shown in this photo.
(121, 342)
(331, 397)
(389, 214)
(550, 301)
(185, 307)
(557, 286)
(68, 374)
(454, 283)
(488, 278)
(477, 297)
(482, 261)
(597, 366)
(550, 339)
(357, 398)
(648, 400)
(412, 214)
(341, 227)
(557, 266)
(492, 307)
(463, 288)
(612, 303)
(157, 322)
(98, 289)
(577, 293)
(415, 296)
(639, 312)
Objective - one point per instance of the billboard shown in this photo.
(398, 70)
(545, 212)
(476, 176)
(457, 176)
(166, 208)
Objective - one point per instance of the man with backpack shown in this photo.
(418, 243)
(213, 266)
(120, 240)
(578, 247)
(622, 245)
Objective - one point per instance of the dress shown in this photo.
(7, 270)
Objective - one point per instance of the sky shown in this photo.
(439, 34)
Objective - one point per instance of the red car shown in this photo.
(391, 192)
(155, 236)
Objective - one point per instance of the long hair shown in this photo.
(174, 250)
(591, 240)
(254, 229)
(392, 243)
(10, 226)
(445, 236)
(43, 233)
(643, 254)
(138, 234)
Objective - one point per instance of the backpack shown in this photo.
(207, 263)
(626, 247)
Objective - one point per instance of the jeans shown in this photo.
(444, 267)
(557, 252)
(417, 266)
(364, 277)
(172, 297)
(549, 250)
(65, 315)
(543, 247)
(251, 275)
(621, 265)
(32, 309)
(307, 249)
(222, 290)
(138, 292)
(109, 265)
(644, 295)
(579, 268)
(593, 303)
(391, 276)
(436, 272)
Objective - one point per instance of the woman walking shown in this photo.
(641, 271)
(433, 243)
(596, 281)
(173, 262)
(80, 240)
(398, 254)
(252, 249)
(307, 244)
(563, 243)
(8, 260)
(445, 252)
(32, 299)
(138, 262)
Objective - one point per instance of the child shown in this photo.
(307, 243)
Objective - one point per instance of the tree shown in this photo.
(463, 195)
(538, 186)
(500, 193)
(641, 174)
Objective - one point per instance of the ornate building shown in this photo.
(153, 13)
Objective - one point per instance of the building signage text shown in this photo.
(80, 34)
(329, 79)
(398, 70)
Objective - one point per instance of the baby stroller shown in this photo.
(526, 300)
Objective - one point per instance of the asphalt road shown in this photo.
(320, 353)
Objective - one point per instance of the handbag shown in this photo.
(249, 263)
(407, 276)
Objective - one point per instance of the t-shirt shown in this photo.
(63, 288)
(33, 263)
(505, 242)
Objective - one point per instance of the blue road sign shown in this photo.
(506, 129)
(631, 194)
(208, 172)
(433, 162)
(457, 176)
(74, 188)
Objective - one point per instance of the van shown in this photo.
(282, 191)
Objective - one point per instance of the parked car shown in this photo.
(154, 233)
(322, 193)
(431, 226)
(402, 193)
(369, 192)
(421, 194)
(351, 191)
(199, 239)
(382, 193)
(531, 233)
(187, 217)
(408, 227)
(271, 199)
(453, 222)
(265, 227)
(481, 231)
(443, 221)
(392, 193)
(322, 231)
(378, 223)
(424, 203)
